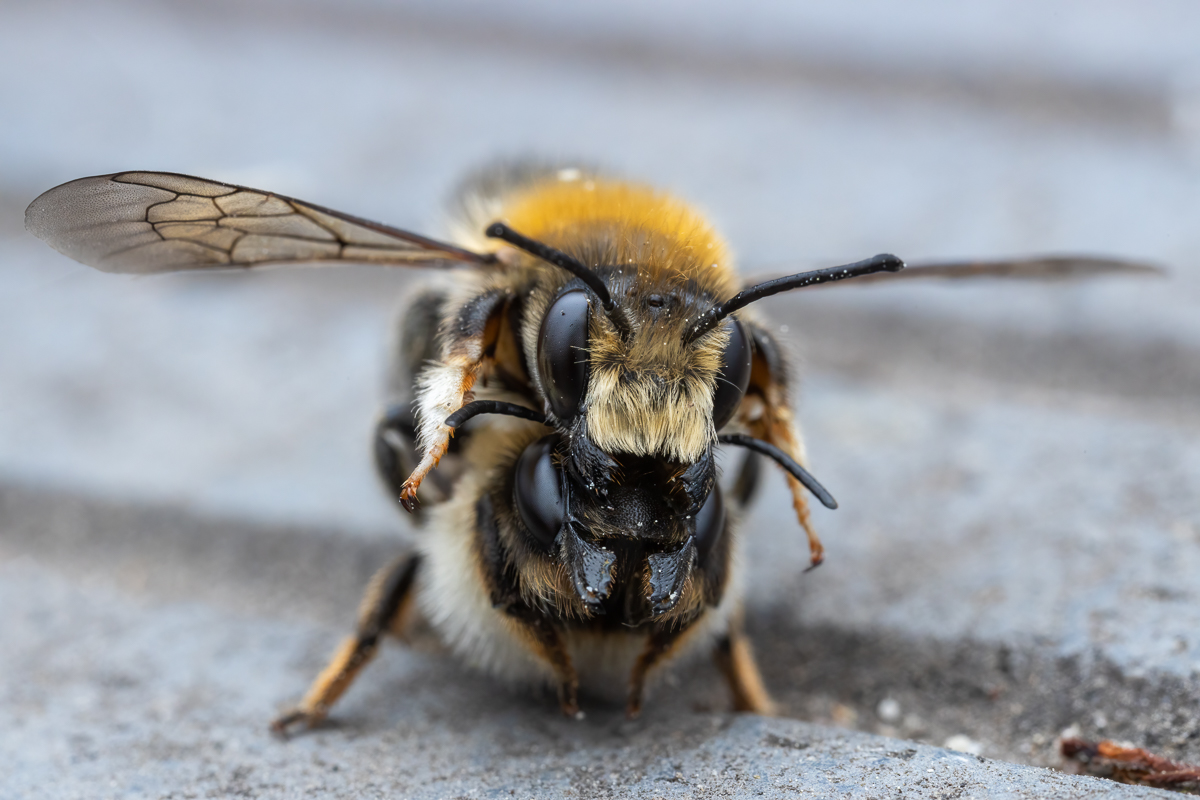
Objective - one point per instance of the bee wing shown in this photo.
(149, 222)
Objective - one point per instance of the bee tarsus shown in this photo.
(385, 609)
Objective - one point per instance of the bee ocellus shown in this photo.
(556, 402)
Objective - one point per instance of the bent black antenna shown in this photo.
(498, 230)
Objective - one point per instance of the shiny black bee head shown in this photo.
(624, 402)
(638, 372)
(632, 538)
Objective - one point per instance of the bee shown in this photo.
(577, 533)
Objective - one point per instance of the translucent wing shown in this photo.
(148, 222)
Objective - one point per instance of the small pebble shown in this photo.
(963, 744)
(888, 710)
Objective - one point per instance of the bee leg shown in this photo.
(470, 334)
(735, 659)
(784, 437)
(395, 446)
(539, 632)
(396, 457)
(383, 610)
(548, 643)
(657, 646)
(775, 423)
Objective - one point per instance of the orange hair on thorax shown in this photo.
(611, 222)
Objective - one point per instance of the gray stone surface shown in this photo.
(142, 671)
(795, 170)
(187, 514)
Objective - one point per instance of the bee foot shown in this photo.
(568, 701)
(298, 718)
(408, 496)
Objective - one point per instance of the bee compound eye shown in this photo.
(562, 356)
(710, 525)
(734, 376)
(538, 492)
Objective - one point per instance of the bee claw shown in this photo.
(284, 725)
(408, 498)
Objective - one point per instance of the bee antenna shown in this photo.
(709, 319)
(784, 460)
(498, 230)
(478, 407)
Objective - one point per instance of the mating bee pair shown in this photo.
(578, 533)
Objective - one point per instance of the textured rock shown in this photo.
(107, 696)
(187, 514)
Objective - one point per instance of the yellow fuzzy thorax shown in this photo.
(604, 221)
(651, 394)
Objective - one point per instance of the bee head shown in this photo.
(639, 365)
(665, 365)
(630, 553)
(609, 355)
(623, 495)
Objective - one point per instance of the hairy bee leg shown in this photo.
(542, 637)
(468, 338)
(549, 645)
(395, 450)
(658, 645)
(445, 389)
(735, 659)
(416, 345)
(383, 610)
(782, 432)
(775, 423)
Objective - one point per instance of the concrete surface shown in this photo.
(142, 660)
(187, 513)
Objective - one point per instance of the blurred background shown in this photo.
(813, 133)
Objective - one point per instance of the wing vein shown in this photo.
(116, 223)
